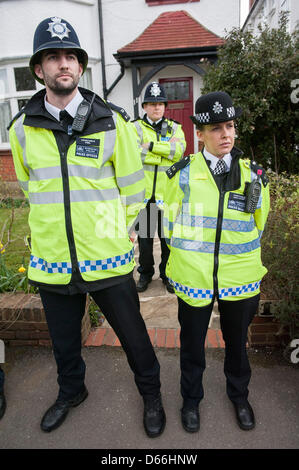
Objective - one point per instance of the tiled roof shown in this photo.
(173, 30)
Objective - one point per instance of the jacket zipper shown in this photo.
(155, 175)
(217, 241)
(67, 211)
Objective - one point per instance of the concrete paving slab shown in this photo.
(111, 417)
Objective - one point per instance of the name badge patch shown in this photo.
(88, 148)
(236, 201)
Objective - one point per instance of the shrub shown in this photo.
(280, 249)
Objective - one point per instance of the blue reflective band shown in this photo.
(211, 222)
(235, 291)
(208, 247)
(51, 268)
(191, 291)
(105, 264)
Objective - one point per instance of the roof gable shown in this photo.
(173, 30)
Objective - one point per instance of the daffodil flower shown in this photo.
(22, 269)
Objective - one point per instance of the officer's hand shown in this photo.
(174, 139)
(145, 145)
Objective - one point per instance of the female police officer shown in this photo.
(214, 217)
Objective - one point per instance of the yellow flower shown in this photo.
(2, 249)
(22, 269)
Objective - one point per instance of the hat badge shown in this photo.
(217, 108)
(155, 90)
(58, 29)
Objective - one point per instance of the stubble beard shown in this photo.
(60, 88)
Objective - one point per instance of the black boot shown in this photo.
(154, 418)
(245, 416)
(143, 283)
(57, 413)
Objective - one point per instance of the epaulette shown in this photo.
(173, 169)
(260, 171)
(15, 117)
(119, 110)
(173, 120)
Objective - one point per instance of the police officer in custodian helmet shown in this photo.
(85, 185)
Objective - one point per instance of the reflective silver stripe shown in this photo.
(49, 197)
(37, 174)
(24, 185)
(109, 142)
(139, 131)
(172, 150)
(20, 133)
(82, 171)
(90, 172)
(138, 197)
(94, 194)
(54, 197)
(123, 181)
(153, 167)
(208, 247)
(211, 222)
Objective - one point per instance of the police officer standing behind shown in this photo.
(77, 161)
(216, 207)
(162, 142)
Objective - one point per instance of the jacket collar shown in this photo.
(38, 116)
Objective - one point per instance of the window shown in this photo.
(177, 90)
(86, 80)
(152, 3)
(17, 85)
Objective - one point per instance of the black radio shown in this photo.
(253, 192)
(82, 115)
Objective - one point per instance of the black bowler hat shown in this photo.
(55, 33)
(215, 107)
(154, 93)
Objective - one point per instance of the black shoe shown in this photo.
(190, 419)
(154, 418)
(168, 285)
(143, 283)
(245, 416)
(57, 413)
(2, 404)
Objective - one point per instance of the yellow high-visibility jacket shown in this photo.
(160, 155)
(85, 192)
(214, 245)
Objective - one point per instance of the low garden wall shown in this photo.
(23, 322)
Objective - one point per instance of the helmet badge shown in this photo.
(58, 29)
(155, 90)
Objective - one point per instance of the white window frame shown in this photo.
(12, 95)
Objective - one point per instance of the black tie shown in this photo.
(66, 120)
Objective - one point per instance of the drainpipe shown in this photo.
(106, 91)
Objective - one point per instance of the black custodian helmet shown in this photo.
(154, 93)
(55, 33)
(215, 107)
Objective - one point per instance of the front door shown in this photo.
(179, 92)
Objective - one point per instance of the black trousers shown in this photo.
(235, 317)
(150, 219)
(120, 306)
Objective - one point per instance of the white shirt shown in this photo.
(152, 122)
(208, 156)
(71, 108)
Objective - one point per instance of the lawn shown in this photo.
(14, 222)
